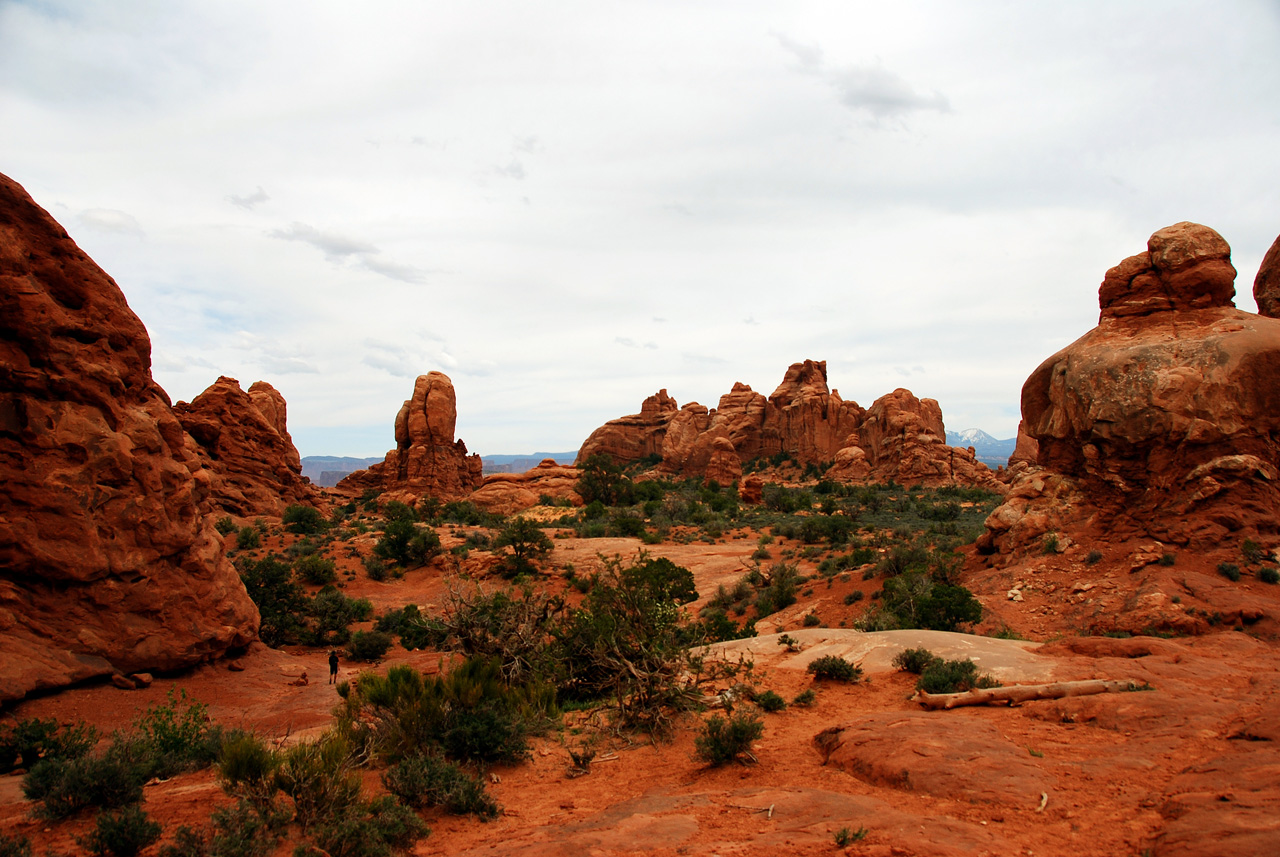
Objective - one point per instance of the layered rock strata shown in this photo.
(244, 445)
(1161, 422)
(106, 562)
(507, 493)
(427, 460)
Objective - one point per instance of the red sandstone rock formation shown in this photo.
(1163, 421)
(243, 444)
(427, 461)
(508, 493)
(106, 563)
(901, 438)
(1266, 286)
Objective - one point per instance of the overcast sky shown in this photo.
(566, 206)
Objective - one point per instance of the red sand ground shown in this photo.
(1191, 767)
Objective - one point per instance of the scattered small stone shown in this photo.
(123, 682)
(142, 679)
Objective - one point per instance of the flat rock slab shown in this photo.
(1225, 807)
(1007, 661)
(956, 756)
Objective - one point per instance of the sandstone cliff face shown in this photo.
(901, 438)
(106, 563)
(1161, 422)
(1266, 286)
(427, 460)
(243, 444)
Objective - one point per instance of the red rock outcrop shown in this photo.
(900, 439)
(508, 493)
(244, 445)
(427, 461)
(1266, 286)
(106, 563)
(1163, 421)
(1026, 449)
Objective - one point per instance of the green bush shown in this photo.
(1269, 575)
(428, 780)
(943, 676)
(407, 543)
(805, 698)
(66, 786)
(248, 538)
(281, 602)
(376, 829)
(770, 702)
(122, 834)
(844, 836)
(375, 568)
(321, 778)
(225, 525)
(811, 620)
(14, 847)
(241, 830)
(854, 597)
(914, 660)
(724, 740)
(834, 668)
(1229, 570)
(527, 542)
(177, 736)
(1251, 551)
(28, 741)
(303, 520)
(1167, 559)
(247, 766)
(315, 569)
(1094, 557)
(368, 645)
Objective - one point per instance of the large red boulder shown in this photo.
(1266, 286)
(427, 460)
(1164, 420)
(106, 562)
(244, 445)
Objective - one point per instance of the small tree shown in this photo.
(604, 481)
(527, 542)
(303, 520)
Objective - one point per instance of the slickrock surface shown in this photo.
(1163, 422)
(427, 460)
(243, 442)
(106, 563)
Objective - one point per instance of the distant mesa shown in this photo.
(524, 463)
(899, 438)
(107, 563)
(1163, 422)
(427, 459)
(507, 493)
(244, 446)
(327, 471)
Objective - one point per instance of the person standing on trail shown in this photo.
(333, 666)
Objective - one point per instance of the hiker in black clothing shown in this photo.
(333, 666)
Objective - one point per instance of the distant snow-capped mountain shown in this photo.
(989, 450)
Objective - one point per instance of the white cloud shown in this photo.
(249, 200)
(109, 220)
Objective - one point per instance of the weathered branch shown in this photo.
(1019, 693)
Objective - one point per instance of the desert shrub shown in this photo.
(943, 676)
(780, 583)
(14, 846)
(854, 597)
(376, 829)
(248, 538)
(177, 735)
(1251, 551)
(915, 600)
(303, 520)
(375, 568)
(122, 834)
(394, 510)
(805, 698)
(724, 740)
(406, 543)
(28, 741)
(844, 836)
(66, 786)
(321, 778)
(280, 600)
(914, 660)
(247, 766)
(770, 701)
(1167, 559)
(834, 668)
(333, 613)
(1229, 570)
(1269, 575)
(604, 481)
(427, 780)
(1094, 557)
(240, 830)
(368, 645)
(1050, 543)
(315, 569)
(527, 542)
(225, 525)
(811, 620)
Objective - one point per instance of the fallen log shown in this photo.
(1019, 693)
